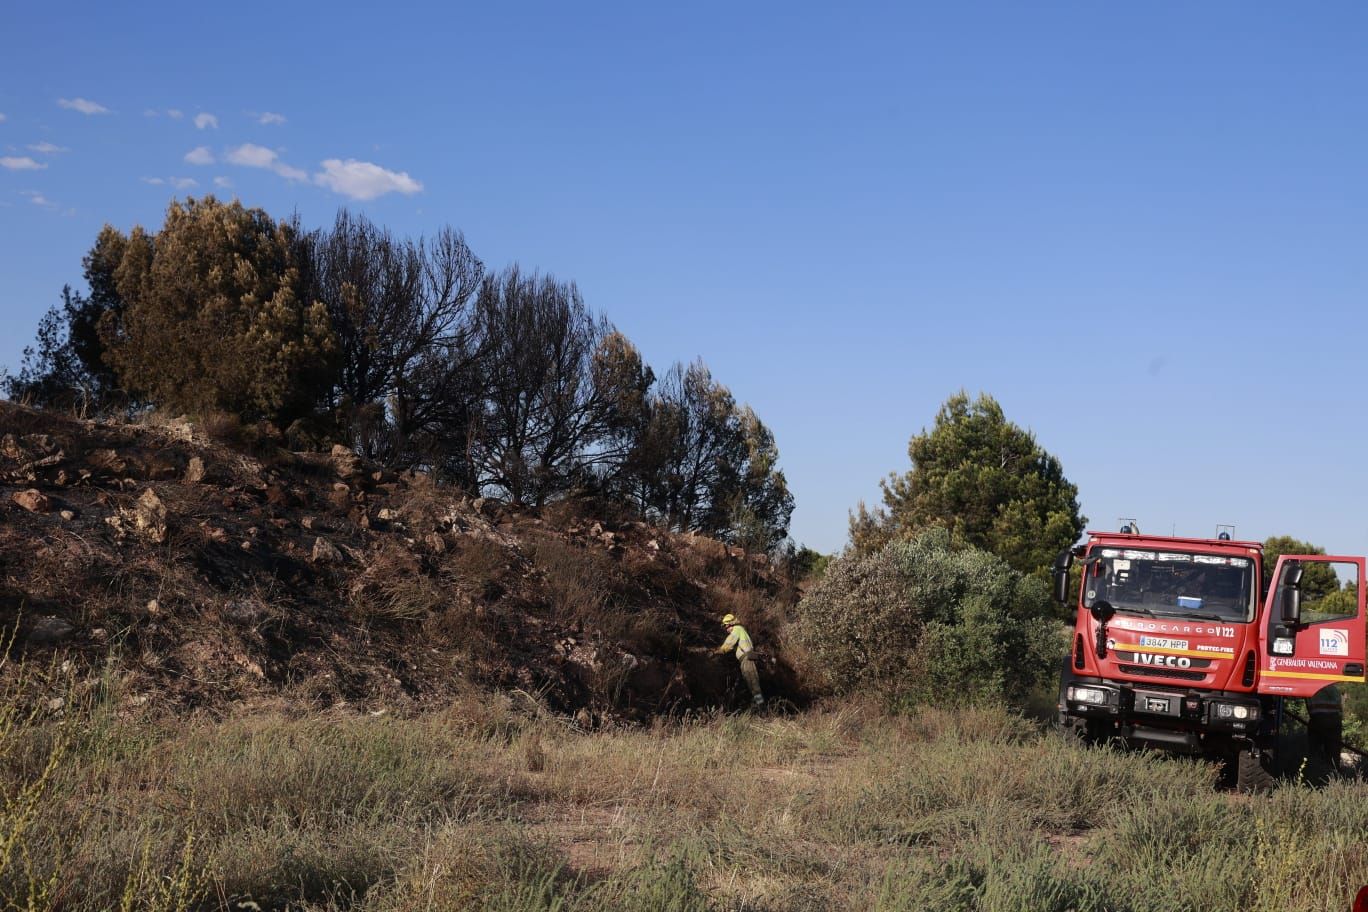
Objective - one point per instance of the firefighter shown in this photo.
(738, 637)
(1325, 733)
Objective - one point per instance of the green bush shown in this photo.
(922, 620)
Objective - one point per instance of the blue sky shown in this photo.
(1141, 227)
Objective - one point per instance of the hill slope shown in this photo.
(217, 575)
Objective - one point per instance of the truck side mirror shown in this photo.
(1062, 563)
(1291, 594)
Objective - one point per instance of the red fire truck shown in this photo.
(1178, 647)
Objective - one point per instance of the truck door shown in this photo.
(1301, 651)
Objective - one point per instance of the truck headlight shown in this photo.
(1092, 695)
(1236, 712)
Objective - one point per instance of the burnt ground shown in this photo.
(183, 573)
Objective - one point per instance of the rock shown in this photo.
(307, 522)
(181, 428)
(55, 704)
(385, 514)
(67, 515)
(596, 530)
(436, 544)
(153, 607)
(40, 443)
(108, 462)
(49, 631)
(31, 468)
(194, 472)
(325, 552)
(32, 500)
(10, 448)
(149, 516)
(344, 462)
(653, 545)
(340, 497)
(478, 504)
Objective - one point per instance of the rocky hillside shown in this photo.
(190, 571)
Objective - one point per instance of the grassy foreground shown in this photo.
(491, 806)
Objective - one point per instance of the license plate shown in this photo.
(1156, 704)
(1163, 642)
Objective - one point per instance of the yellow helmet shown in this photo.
(728, 620)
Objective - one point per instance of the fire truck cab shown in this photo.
(1178, 646)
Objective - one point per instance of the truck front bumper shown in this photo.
(1161, 717)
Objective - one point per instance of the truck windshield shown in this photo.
(1171, 583)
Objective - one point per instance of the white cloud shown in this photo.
(150, 112)
(269, 117)
(38, 199)
(364, 180)
(200, 155)
(47, 148)
(223, 182)
(175, 113)
(84, 105)
(20, 163)
(250, 155)
(205, 121)
(2, 118)
(180, 183)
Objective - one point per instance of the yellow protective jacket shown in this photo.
(740, 639)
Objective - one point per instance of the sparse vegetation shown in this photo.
(490, 805)
(924, 620)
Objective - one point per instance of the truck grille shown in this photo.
(1149, 671)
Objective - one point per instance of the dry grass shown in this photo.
(394, 586)
(481, 565)
(580, 581)
(486, 806)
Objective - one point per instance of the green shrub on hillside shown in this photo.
(922, 620)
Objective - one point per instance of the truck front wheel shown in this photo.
(1084, 732)
(1251, 772)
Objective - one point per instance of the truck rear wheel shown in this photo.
(1251, 772)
